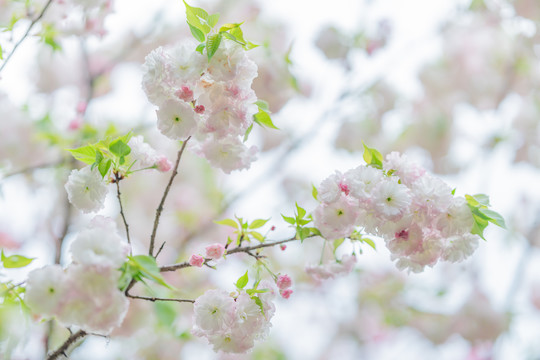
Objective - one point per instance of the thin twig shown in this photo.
(118, 178)
(33, 168)
(65, 346)
(26, 34)
(154, 299)
(159, 210)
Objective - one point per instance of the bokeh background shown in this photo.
(453, 84)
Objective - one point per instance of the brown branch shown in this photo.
(26, 34)
(244, 249)
(159, 210)
(118, 178)
(65, 346)
(154, 299)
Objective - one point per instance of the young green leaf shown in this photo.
(212, 45)
(119, 148)
(149, 269)
(288, 219)
(248, 131)
(300, 211)
(15, 261)
(258, 236)
(201, 47)
(227, 27)
(86, 154)
(494, 217)
(372, 157)
(104, 167)
(242, 281)
(257, 223)
(198, 35)
(212, 20)
(263, 119)
(314, 192)
(263, 105)
(228, 222)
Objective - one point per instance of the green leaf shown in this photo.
(198, 35)
(86, 154)
(263, 119)
(212, 45)
(213, 20)
(119, 148)
(372, 157)
(104, 167)
(494, 217)
(248, 131)
(1, 53)
(148, 268)
(369, 242)
(258, 302)
(15, 261)
(300, 211)
(201, 47)
(314, 192)
(197, 18)
(258, 236)
(315, 231)
(304, 233)
(228, 222)
(288, 219)
(479, 226)
(256, 291)
(263, 105)
(258, 223)
(242, 281)
(227, 27)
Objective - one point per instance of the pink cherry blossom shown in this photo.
(215, 251)
(196, 260)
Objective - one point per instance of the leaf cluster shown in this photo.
(299, 222)
(482, 215)
(245, 231)
(105, 154)
(138, 268)
(201, 24)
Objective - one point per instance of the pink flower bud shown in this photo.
(283, 247)
(215, 251)
(285, 293)
(196, 260)
(273, 228)
(283, 282)
(75, 124)
(164, 164)
(185, 94)
(199, 109)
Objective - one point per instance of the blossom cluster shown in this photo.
(415, 213)
(86, 187)
(232, 324)
(86, 293)
(211, 101)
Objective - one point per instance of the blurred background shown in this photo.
(453, 84)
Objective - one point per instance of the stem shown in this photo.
(118, 178)
(154, 299)
(159, 210)
(26, 34)
(64, 347)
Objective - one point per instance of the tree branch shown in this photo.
(154, 299)
(26, 34)
(244, 249)
(159, 210)
(118, 178)
(65, 346)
